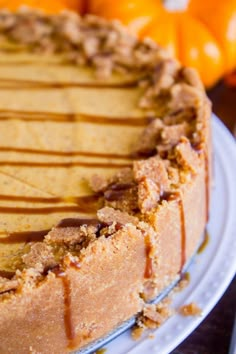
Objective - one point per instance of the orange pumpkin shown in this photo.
(50, 7)
(222, 24)
(76, 5)
(202, 36)
(134, 13)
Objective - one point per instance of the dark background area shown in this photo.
(214, 334)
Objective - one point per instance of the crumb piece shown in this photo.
(123, 197)
(152, 317)
(186, 156)
(29, 277)
(164, 76)
(183, 283)
(173, 175)
(148, 195)
(151, 336)
(187, 114)
(155, 315)
(8, 285)
(110, 215)
(192, 77)
(104, 66)
(191, 309)
(183, 96)
(171, 134)
(153, 168)
(70, 28)
(163, 150)
(71, 235)
(39, 257)
(125, 175)
(202, 124)
(148, 140)
(107, 231)
(150, 290)
(98, 183)
(91, 46)
(29, 31)
(137, 332)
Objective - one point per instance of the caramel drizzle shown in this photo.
(82, 201)
(204, 242)
(84, 204)
(77, 222)
(33, 84)
(69, 328)
(117, 191)
(6, 274)
(70, 332)
(65, 153)
(65, 164)
(148, 273)
(70, 117)
(48, 210)
(60, 273)
(24, 237)
(101, 351)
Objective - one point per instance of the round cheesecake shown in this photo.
(105, 155)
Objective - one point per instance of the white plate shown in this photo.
(212, 270)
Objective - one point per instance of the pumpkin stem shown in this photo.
(176, 5)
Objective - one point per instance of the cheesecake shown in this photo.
(105, 174)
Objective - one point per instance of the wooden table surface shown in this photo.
(213, 335)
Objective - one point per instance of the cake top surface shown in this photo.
(95, 124)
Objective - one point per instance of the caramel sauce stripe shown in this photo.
(86, 204)
(47, 210)
(81, 200)
(70, 117)
(148, 273)
(65, 164)
(68, 323)
(24, 237)
(7, 274)
(65, 153)
(204, 243)
(32, 84)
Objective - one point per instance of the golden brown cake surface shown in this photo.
(104, 168)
